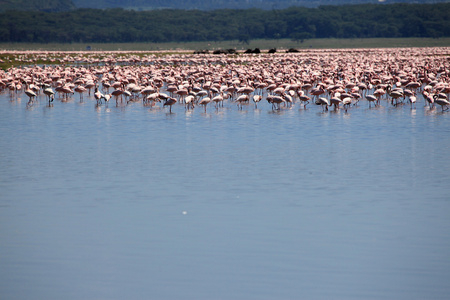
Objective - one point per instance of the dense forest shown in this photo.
(296, 23)
(143, 5)
(226, 4)
(37, 5)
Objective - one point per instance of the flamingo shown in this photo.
(31, 95)
(241, 99)
(305, 99)
(324, 102)
(106, 85)
(412, 100)
(336, 102)
(347, 101)
(171, 101)
(128, 95)
(279, 91)
(379, 93)
(98, 96)
(307, 87)
(317, 91)
(66, 90)
(414, 85)
(49, 92)
(395, 94)
(202, 94)
(151, 98)
(12, 88)
(80, 89)
(441, 99)
(218, 99)
(288, 99)
(371, 98)
(256, 99)
(182, 93)
(163, 96)
(89, 85)
(247, 90)
(148, 90)
(276, 102)
(116, 94)
(171, 89)
(189, 101)
(331, 74)
(205, 102)
(107, 97)
(50, 99)
(429, 99)
(356, 96)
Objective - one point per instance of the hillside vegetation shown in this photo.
(296, 23)
(145, 5)
(226, 4)
(34, 5)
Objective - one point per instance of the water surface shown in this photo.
(135, 203)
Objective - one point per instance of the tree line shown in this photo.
(144, 5)
(41, 5)
(297, 23)
(226, 4)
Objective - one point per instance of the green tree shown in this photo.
(300, 36)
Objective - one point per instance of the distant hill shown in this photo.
(34, 5)
(88, 25)
(139, 5)
(145, 5)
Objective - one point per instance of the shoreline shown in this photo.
(264, 45)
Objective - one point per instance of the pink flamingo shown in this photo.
(204, 101)
(371, 98)
(80, 89)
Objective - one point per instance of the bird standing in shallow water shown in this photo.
(107, 97)
(49, 92)
(50, 100)
(80, 89)
(347, 101)
(217, 100)
(412, 100)
(98, 96)
(370, 99)
(204, 102)
(171, 101)
(336, 102)
(256, 100)
(31, 95)
(441, 99)
(324, 102)
(241, 99)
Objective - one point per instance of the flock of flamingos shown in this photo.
(330, 79)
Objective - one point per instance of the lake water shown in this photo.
(135, 203)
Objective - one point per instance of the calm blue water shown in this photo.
(132, 203)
